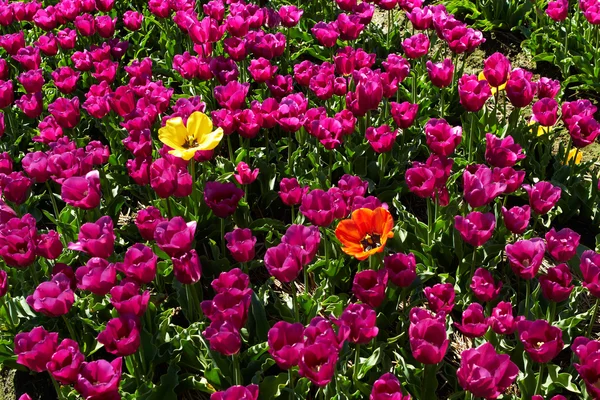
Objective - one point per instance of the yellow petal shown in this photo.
(209, 140)
(186, 154)
(173, 134)
(199, 124)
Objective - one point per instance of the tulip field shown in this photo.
(299, 200)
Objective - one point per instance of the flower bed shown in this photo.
(252, 201)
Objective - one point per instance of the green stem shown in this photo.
(290, 150)
(306, 279)
(222, 238)
(473, 261)
(53, 200)
(237, 373)
(169, 210)
(291, 382)
(330, 167)
(191, 298)
(414, 87)
(295, 302)
(552, 312)
(538, 386)
(593, 319)
(230, 147)
(356, 363)
(429, 223)
(34, 275)
(293, 215)
(70, 329)
(427, 390)
(442, 103)
(527, 294)
(57, 388)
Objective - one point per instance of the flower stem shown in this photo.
(293, 215)
(57, 388)
(222, 238)
(295, 302)
(70, 329)
(527, 293)
(291, 382)
(552, 312)
(33, 274)
(538, 386)
(356, 362)
(593, 319)
(230, 147)
(237, 373)
(429, 222)
(53, 200)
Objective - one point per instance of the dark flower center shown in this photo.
(190, 142)
(370, 242)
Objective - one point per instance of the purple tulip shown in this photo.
(541, 340)
(97, 276)
(476, 228)
(175, 237)
(401, 268)
(543, 196)
(590, 270)
(474, 323)
(96, 238)
(139, 264)
(525, 257)
(516, 219)
(65, 362)
(440, 297)
(369, 286)
(556, 284)
(562, 245)
(485, 373)
(484, 287)
(241, 243)
(82, 192)
(35, 348)
(121, 336)
(427, 337)
(286, 341)
(502, 320)
(99, 379)
(54, 297)
(127, 300)
(187, 268)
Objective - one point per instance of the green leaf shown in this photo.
(369, 363)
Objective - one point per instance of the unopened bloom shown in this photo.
(474, 323)
(440, 297)
(286, 340)
(387, 387)
(543, 196)
(476, 228)
(590, 270)
(245, 175)
(360, 320)
(556, 284)
(562, 245)
(427, 336)
(485, 373)
(484, 286)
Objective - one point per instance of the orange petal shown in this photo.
(382, 221)
(347, 233)
(363, 219)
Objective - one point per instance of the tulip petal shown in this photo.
(198, 125)
(174, 133)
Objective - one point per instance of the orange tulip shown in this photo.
(366, 232)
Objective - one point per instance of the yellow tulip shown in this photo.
(572, 154)
(493, 89)
(185, 140)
